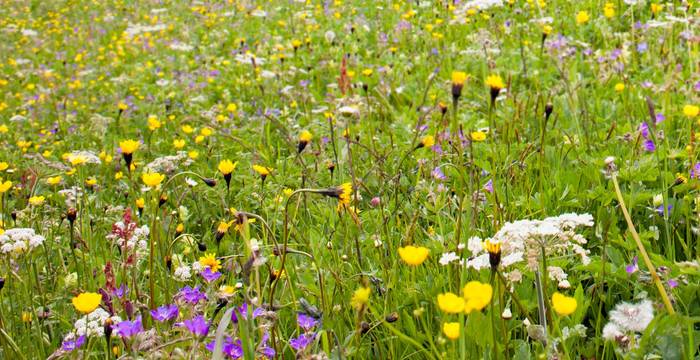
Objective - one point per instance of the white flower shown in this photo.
(633, 317)
(182, 273)
(475, 245)
(448, 257)
(20, 240)
(611, 331)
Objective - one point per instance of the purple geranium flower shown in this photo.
(489, 186)
(306, 322)
(165, 313)
(210, 276)
(70, 345)
(632, 268)
(121, 291)
(243, 312)
(264, 349)
(649, 145)
(197, 326)
(672, 283)
(302, 342)
(231, 349)
(644, 129)
(127, 329)
(660, 210)
(191, 295)
(438, 174)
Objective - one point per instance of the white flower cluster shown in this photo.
(138, 242)
(183, 271)
(525, 239)
(19, 241)
(91, 324)
(626, 320)
(169, 164)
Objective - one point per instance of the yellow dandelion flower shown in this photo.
(563, 305)
(210, 260)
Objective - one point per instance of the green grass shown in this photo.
(370, 81)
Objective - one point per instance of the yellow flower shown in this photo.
(620, 87)
(609, 10)
(287, 192)
(3, 166)
(305, 136)
(582, 17)
(656, 8)
(227, 166)
(459, 77)
(412, 255)
(210, 260)
(360, 297)
(262, 171)
(187, 129)
(477, 295)
(231, 107)
(77, 159)
(344, 192)
(451, 330)
(4, 129)
(451, 303)
(179, 143)
(128, 146)
(140, 203)
(478, 136)
(194, 154)
(427, 142)
(118, 175)
(546, 29)
(36, 200)
(691, 111)
(207, 131)
(4, 186)
(563, 305)
(91, 181)
(153, 123)
(26, 316)
(152, 179)
(122, 106)
(495, 82)
(87, 302)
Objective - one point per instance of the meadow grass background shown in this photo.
(612, 93)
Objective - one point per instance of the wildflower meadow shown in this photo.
(347, 179)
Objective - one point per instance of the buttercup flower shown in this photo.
(360, 297)
(451, 303)
(451, 330)
(562, 304)
(87, 302)
(412, 255)
(477, 296)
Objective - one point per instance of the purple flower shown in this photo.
(210, 276)
(697, 86)
(165, 313)
(191, 295)
(660, 118)
(127, 329)
(121, 291)
(660, 210)
(489, 186)
(243, 312)
(229, 348)
(642, 47)
(644, 129)
(672, 283)
(302, 342)
(649, 145)
(306, 322)
(264, 349)
(632, 268)
(695, 171)
(198, 326)
(438, 174)
(70, 345)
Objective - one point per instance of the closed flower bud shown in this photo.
(202, 246)
(71, 215)
(210, 182)
(364, 327)
(392, 317)
(548, 110)
(163, 199)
